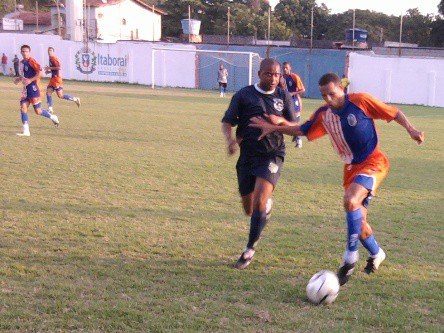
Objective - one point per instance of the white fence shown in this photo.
(403, 80)
(126, 61)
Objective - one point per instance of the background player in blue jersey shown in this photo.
(31, 94)
(260, 161)
(295, 87)
(56, 81)
(348, 120)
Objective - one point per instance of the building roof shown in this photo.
(102, 3)
(30, 17)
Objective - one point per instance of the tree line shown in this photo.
(291, 19)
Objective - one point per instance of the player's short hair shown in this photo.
(328, 78)
(25, 47)
(286, 63)
(51, 48)
(267, 62)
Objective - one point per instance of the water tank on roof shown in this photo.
(190, 26)
(361, 35)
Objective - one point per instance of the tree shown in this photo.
(297, 16)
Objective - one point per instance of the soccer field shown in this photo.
(127, 218)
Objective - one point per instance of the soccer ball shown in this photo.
(323, 287)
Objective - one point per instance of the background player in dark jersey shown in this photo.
(349, 122)
(31, 93)
(260, 161)
(295, 87)
(56, 81)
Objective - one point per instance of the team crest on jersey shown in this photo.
(86, 61)
(351, 119)
(278, 104)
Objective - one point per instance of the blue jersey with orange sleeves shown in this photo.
(294, 84)
(56, 80)
(30, 69)
(352, 129)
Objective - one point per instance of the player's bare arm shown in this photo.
(415, 134)
(267, 128)
(231, 142)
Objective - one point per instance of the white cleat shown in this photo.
(55, 120)
(50, 110)
(77, 101)
(24, 133)
(373, 262)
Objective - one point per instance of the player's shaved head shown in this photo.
(328, 78)
(267, 63)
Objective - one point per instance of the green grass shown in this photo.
(127, 218)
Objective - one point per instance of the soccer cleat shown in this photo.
(373, 262)
(344, 272)
(24, 133)
(245, 259)
(50, 109)
(299, 143)
(55, 120)
(77, 101)
(269, 208)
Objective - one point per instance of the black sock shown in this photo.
(258, 222)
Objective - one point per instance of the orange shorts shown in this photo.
(369, 173)
(55, 82)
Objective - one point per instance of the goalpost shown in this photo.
(194, 68)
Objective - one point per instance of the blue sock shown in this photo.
(354, 224)
(258, 222)
(371, 245)
(24, 118)
(68, 97)
(49, 100)
(46, 114)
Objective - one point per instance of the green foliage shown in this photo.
(127, 219)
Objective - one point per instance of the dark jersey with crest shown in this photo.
(250, 102)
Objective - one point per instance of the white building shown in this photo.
(108, 20)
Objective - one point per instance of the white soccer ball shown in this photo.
(323, 287)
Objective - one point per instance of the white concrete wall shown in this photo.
(128, 61)
(140, 22)
(399, 80)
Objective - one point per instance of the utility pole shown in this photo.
(228, 26)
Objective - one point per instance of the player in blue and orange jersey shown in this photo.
(56, 82)
(349, 122)
(296, 88)
(260, 162)
(31, 73)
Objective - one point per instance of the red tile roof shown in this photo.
(30, 17)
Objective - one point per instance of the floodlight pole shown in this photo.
(353, 33)
(228, 26)
(400, 36)
(311, 29)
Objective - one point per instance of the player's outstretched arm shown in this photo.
(415, 134)
(231, 142)
(267, 128)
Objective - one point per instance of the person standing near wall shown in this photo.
(222, 79)
(295, 87)
(4, 63)
(16, 63)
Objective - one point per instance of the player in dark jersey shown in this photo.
(349, 122)
(260, 161)
(56, 81)
(32, 87)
